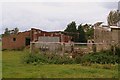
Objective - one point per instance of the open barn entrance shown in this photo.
(27, 41)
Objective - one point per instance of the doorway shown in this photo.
(27, 41)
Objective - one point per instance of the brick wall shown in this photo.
(107, 37)
(102, 35)
(15, 41)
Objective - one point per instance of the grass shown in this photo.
(0, 43)
(0, 60)
(13, 67)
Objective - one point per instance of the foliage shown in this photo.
(77, 34)
(82, 37)
(90, 33)
(78, 59)
(103, 57)
(80, 34)
(48, 58)
(8, 32)
(113, 17)
(117, 51)
(16, 30)
(12, 67)
(71, 30)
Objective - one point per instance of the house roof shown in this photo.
(115, 27)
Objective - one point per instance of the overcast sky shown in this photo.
(51, 16)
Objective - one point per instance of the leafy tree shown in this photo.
(113, 18)
(7, 32)
(16, 30)
(81, 32)
(71, 31)
(90, 33)
(86, 27)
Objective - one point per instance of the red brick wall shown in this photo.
(37, 33)
(8, 43)
(33, 34)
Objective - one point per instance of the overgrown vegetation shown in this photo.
(113, 17)
(80, 33)
(8, 32)
(12, 67)
(103, 57)
(47, 58)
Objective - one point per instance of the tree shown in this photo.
(86, 27)
(16, 30)
(71, 30)
(90, 33)
(113, 18)
(7, 32)
(81, 32)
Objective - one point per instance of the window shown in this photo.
(14, 39)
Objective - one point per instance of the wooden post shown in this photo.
(32, 47)
(63, 48)
(93, 46)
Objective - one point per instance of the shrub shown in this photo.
(47, 58)
(78, 59)
(103, 57)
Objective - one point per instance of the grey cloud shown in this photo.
(109, 5)
(51, 16)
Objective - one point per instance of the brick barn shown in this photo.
(23, 39)
(108, 36)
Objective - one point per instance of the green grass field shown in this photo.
(0, 60)
(0, 44)
(13, 67)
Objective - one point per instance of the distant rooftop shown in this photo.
(114, 27)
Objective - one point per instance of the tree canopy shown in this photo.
(8, 32)
(82, 37)
(113, 18)
(71, 31)
(80, 34)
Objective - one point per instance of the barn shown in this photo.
(23, 39)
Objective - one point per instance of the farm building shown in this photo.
(107, 35)
(23, 39)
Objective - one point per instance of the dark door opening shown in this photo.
(27, 41)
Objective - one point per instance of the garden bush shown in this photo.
(103, 57)
(47, 58)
